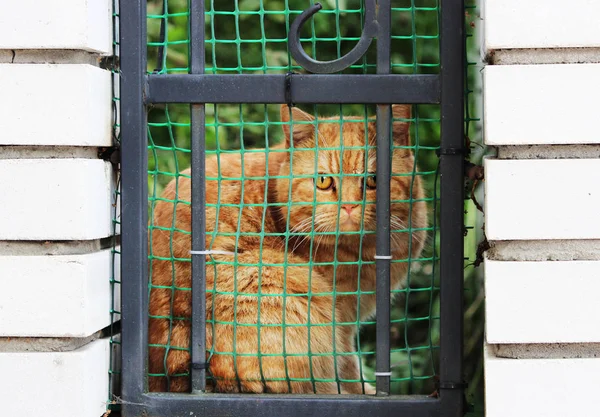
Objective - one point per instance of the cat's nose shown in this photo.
(349, 207)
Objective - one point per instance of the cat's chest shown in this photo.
(352, 276)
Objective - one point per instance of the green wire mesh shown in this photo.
(251, 37)
(416, 332)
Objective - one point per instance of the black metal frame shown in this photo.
(139, 90)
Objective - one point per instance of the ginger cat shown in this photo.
(308, 365)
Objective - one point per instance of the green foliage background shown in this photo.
(250, 36)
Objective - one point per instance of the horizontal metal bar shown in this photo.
(269, 405)
(313, 88)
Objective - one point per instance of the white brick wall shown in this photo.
(73, 291)
(541, 196)
(541, 24)
(542, 302)
(57, 24)
(55, 384)
(55, 199)
(46, 104)
(541, 387)
(56, 210)
(535, 104)
(540, 199)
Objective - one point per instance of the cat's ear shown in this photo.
(401, 128)
(301, 131)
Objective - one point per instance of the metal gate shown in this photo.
(139, 90)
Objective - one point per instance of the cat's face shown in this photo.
(336, 183)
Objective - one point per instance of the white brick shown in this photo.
(542, 199)
(541, 104)
(541, 387)
(55, 199)
(541, 24)
(66, 296)
(45, 104)
(56, 384)
(58, 24)
(542, 302)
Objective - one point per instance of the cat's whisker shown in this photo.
(397, 221)
(317, 247)
(396, 241)
(303, 226)
(299, 242)
(318, 227)
(319, 239)
(324, 228)
(400, 239)
(307, 225)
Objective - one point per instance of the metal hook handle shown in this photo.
(322, 67)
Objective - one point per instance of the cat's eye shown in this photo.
(371, 181)
(324, 182)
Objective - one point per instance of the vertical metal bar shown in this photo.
(198, 342)
(160, 58)
(134, 203)
(452, 206)
(383, 254)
